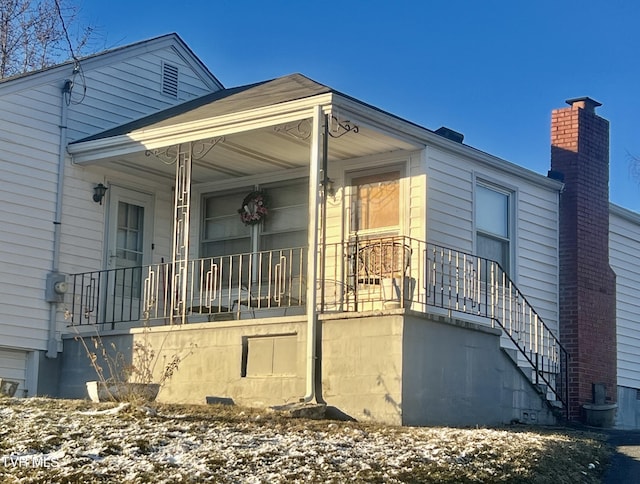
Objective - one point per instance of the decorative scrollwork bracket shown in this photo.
(167, 155)
(300, 130)
(199, 150)
(338, 128)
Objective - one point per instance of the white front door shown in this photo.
(130, 232)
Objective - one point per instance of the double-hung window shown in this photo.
(493, 223)
(223, 233)
(250, 253)
(285, 226)
(224, 236)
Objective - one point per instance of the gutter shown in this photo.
(56, 287)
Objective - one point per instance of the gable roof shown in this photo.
(107, 55)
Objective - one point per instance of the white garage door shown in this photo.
(13, 366)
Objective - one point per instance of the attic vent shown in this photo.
(169, 80)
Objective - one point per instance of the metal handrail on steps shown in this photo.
(378, 272)
(462, 282)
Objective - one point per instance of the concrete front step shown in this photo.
(528, 371)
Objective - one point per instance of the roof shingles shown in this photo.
(225, 101)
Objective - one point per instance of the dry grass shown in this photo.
(180, 443)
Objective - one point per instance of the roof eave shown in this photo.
(624, 212)
(423, 136)
(52, 73)
(152, 138)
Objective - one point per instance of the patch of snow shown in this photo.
(122, 445)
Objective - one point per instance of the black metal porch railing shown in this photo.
(355, 275)
(214, 288)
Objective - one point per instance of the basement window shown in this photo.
(169, 80)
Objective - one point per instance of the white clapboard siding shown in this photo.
(450, 222)
(449, 201)
(128, 90)
(27, 207)
(13, 366)
(624, 258)
(83, 226)
(537, 249)
(19, 337)
(121, 85)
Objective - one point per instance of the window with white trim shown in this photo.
(493, 223)
(223, 233)
(285, 226)
(376, 203)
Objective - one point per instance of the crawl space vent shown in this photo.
(169, 80)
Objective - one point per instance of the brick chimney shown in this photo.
(580, 153)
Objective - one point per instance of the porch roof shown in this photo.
(265, 128)
(222, 102)
(259, 128)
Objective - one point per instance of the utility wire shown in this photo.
(64, 29)
(77, 67)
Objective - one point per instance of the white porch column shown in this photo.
(312, 243)
(180, 252)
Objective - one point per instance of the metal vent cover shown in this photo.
(169, 80)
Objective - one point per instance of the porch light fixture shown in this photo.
(98, 193)
(327, 185)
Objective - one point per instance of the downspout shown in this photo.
(52, 344)
(323, 254)
(312, 254)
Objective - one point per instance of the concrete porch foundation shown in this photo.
(393, 366)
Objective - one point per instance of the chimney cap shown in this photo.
(585, 103)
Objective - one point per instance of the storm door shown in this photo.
(129, 250)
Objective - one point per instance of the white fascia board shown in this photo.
(376, 120)
(54, 75)
(203, 73)
(625, 213)
(147, 139)
(420, 136)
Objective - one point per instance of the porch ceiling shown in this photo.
(256, 129)
(260, 151)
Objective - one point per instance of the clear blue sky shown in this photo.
(492, 70)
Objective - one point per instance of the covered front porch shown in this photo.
(261, 176)
(289, 199)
